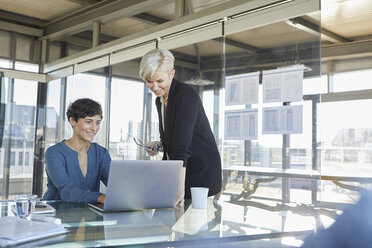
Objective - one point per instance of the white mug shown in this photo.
(199, 197)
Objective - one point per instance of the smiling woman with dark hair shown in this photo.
(76, 166)
(84, 107)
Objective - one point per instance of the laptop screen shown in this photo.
(142, 184)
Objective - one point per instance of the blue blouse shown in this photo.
(66, 181)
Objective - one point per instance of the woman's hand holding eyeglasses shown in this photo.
(152, 148)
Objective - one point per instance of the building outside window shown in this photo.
(125, 118)
(12, 158)
(27, 159)
(20, 158)
(19, 130)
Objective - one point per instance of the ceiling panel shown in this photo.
(124, 27)
(348, 18)
(166, 12)
(41, 9)
(198, 5)
(205, 49)
(274, 35)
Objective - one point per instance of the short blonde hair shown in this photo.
(156, 60)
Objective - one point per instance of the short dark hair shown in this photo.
(82, 108)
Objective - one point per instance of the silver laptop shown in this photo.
(141, 184)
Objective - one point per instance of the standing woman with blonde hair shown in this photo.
(185, 132)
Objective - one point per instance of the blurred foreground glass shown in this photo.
(24, 205)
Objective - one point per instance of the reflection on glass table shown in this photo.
(221, 222)
(302, 186)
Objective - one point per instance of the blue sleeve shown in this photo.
(105, 165)
(56, 169)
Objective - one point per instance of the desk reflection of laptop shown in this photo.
(147, 225)
(141, 184)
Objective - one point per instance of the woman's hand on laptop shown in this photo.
(149, 148)
(181, 188)
(101, 198)
(179, 203)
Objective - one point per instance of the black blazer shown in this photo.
(188, 137)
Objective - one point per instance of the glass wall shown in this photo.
(54, 113)
(126, 118)
(334, 137)
(345, 137)
(257, 60)
(17, 114)
(18, 120)
(4, 176)
(86, 86)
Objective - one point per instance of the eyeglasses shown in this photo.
(155, 147)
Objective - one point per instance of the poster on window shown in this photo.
(282, 120)
(241, 124)
(242, 89)
(283, 85)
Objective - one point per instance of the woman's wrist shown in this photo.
(101, 198)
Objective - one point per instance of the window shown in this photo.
(345, 138)
(355, 80)
(267, 150)
(4, 63)
(12, 158)
(86, 85)
(26, 67)
(208, 104)
(20, 158)
(315, 85)
(27, 159)
(126, 118)
(19, 131)
(53, 117)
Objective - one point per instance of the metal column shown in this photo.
(285, 165)
(40, 128)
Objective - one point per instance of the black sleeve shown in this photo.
(186, 114)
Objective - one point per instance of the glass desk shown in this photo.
(221, 222)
